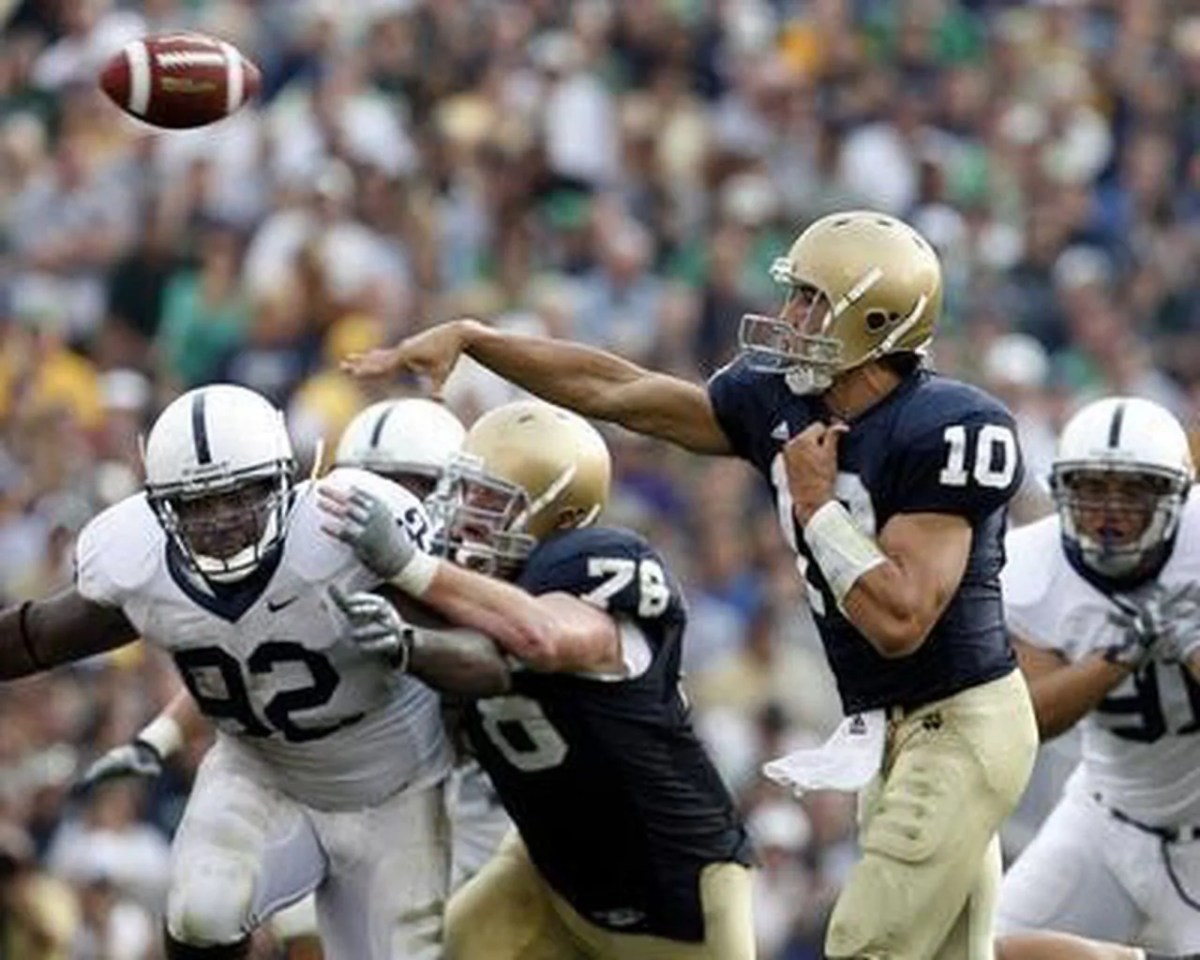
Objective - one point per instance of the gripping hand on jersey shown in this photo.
(375, 626)
(135, 759)
(363, 521)
(1150, 629)
(1173, 616)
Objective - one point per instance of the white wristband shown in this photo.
(842, 551)
(164, 734)
(416, 576)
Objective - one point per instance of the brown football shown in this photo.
(179, 80)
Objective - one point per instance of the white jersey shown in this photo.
(269, 664)
(1140, 749)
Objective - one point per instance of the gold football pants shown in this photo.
(926, 885)
(508, 912)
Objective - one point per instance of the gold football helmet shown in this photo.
(525, 470)
(861, 285)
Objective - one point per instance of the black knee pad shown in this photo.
(221, 951)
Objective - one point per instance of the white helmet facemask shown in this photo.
(224, 536)
(1119, 480)
(219, 472)
(1121, 499)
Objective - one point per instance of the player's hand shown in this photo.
(136, 759)
(431, 353)
(1144, 632)
(810, 461)
(1172, 615)
(382, 544)
(375, 626)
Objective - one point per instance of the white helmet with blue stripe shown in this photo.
(219, 469)
(409, 441)
(1120, 477)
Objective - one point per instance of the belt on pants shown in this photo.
(1181, 834)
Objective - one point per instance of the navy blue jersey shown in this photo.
(933, 445)
(614, 796)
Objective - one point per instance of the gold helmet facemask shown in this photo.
(871, 286)
(526, 470)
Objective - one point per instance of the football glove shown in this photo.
(381, 544)
(135, 759)
(375, 626)
(1175, 613)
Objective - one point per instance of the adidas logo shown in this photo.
(858, 726)
(781, 431)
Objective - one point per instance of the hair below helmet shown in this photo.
(877, 285)
(1119, 479)
(526, 469)
(218, 476)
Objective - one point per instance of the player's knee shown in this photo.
(860, 926)
(845, 940)
(208, 908)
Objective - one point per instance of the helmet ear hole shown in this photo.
(571, 517)
(876, 320)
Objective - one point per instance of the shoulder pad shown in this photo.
(613, 568)
(954, 450)
(939, 402)
(118, 551)
(390, 492)
(1031, 580)
(317, 557)
(1185, 557)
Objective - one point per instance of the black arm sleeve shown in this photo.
(39, 634)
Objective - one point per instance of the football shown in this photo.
(179, 80)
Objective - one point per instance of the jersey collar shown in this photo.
(229, 601)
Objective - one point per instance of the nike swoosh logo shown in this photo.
(276, 607)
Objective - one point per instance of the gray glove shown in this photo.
(1175, 610)
(136, 759)
(375, 626)
(381, 543)
(1155, 624)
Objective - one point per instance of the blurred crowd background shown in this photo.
(620, 172)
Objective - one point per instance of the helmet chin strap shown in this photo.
(238, 567)
(1115, 565)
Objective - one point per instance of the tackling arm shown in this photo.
(448, 658)
(39, 634)
(601, 385)
(1064, 693)
(550, 632)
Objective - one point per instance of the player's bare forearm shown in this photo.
(40, 634)
(888, 613)
(459, 661)
(550, 632)
(601, 385)
(1192, 664)
(185, 712)
(896, 604)
(1064, 693)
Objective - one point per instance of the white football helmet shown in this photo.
(1120, 477)
(219, 471)
(409, 441)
